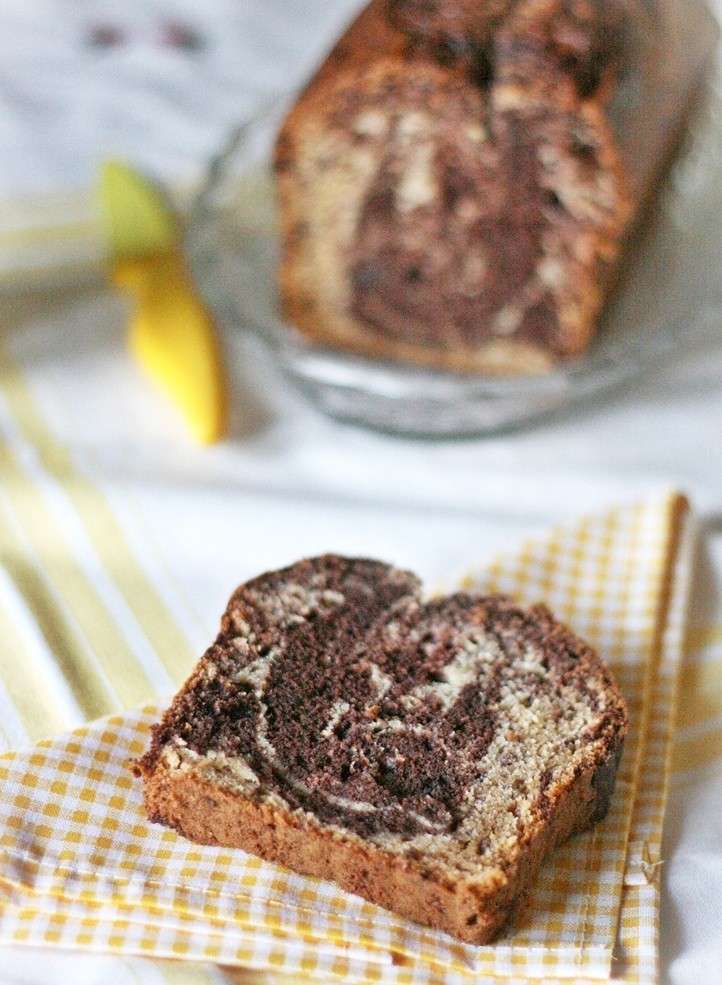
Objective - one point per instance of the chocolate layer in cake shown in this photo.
(449, 184)
(441, 730)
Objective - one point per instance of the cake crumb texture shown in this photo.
(423, 754)
(450, 185)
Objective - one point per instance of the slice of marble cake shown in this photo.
(423, 754)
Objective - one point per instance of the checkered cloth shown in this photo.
(81, 867)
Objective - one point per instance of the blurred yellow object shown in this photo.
(137, 216)
(171, 332)
(172, 336)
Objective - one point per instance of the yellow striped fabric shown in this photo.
(699, 742)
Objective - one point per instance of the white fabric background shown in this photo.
(64, 104)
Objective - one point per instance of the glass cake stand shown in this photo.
(669, 298)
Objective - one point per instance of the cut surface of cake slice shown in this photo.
(425, 755)
(450, 188)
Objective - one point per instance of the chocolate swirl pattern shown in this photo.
(334, 691)
(450, 183)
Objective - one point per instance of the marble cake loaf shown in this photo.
(449, 185)
(425, 755)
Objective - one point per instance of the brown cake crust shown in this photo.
(338, 725)
(472, 912)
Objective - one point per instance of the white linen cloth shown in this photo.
(69, 100)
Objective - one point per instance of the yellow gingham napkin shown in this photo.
(81, 867)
